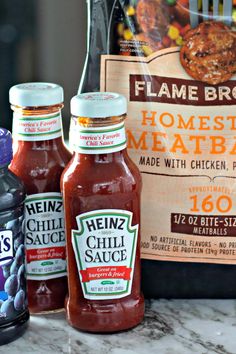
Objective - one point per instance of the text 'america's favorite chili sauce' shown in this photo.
(101, 190)
(39, 159)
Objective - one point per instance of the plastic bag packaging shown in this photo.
(175, 61)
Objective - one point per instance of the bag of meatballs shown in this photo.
(175, 61)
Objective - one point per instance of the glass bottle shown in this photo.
(99, 36)
(101, 190)
(14, 312)
(39, 159)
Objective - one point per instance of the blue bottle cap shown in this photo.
(6, 152)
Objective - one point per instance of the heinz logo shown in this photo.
(6, 246)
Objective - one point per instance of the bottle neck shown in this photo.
(118, 156)
(37, 125)
(46, 145)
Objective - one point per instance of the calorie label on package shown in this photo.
(105, 251)
(45, 236)
(182, 135)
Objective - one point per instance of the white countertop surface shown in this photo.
(169, 327)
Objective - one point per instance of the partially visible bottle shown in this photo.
(99, 36)
(39, 159)
(14, 313)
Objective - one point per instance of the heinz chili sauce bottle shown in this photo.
(39, 159)
(101, 188)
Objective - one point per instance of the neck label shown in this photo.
(98, 140)
(37, 128)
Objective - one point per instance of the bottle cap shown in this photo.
(36, 94)
(5, 147)
(98, 105)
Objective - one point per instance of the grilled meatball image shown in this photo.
(209, 53)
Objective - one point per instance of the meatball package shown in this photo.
(175, 61)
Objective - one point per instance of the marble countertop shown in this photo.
(169, 327)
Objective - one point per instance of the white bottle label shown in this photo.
(45, 236)
(97, 140)
(37, 128)
(105, 250)
(6, 246)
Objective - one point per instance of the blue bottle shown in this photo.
(14, 313)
